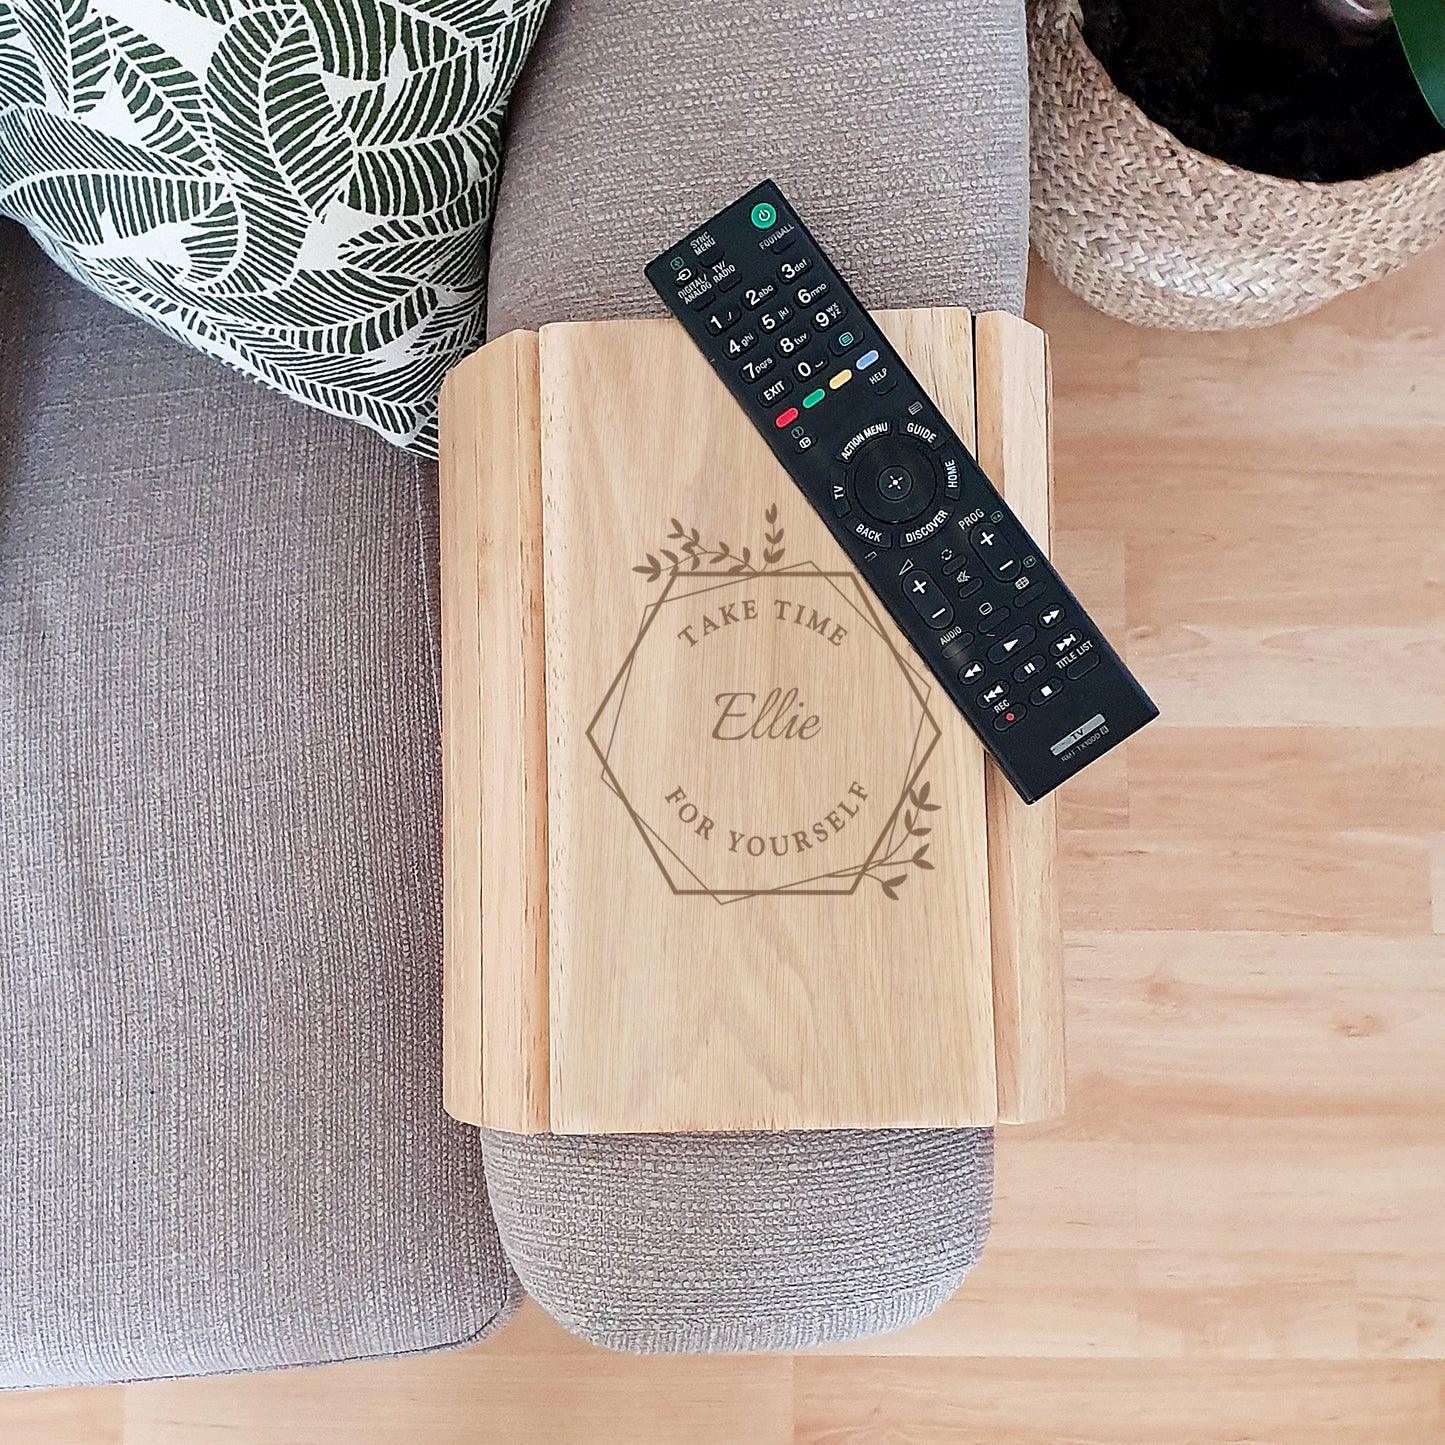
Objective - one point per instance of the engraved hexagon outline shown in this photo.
(925, 739)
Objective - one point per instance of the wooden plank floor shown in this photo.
(1237, 1234)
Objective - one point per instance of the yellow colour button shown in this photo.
(838, 380)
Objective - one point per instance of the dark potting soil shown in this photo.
(1266, 85)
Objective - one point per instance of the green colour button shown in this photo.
(764, 216)
(814, 397)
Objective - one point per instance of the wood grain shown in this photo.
(463, 1399)
(494, 739)
(692, 979)
(1012, 373)
(735, 990)
(64, 1417)
(1122, 1402)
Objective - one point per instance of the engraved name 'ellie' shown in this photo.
(781, 716)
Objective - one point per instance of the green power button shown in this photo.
(764, 216)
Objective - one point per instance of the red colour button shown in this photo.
(787, 418)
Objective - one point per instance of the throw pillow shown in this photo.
(298, 187)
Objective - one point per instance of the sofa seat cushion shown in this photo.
(222, 1145)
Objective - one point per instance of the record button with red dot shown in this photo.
(1006, 719)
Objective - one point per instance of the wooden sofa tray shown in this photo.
(719, 854)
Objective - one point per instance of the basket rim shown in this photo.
(1067, 19)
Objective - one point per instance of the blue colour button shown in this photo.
(865, 361)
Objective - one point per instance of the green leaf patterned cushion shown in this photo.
(298, 187)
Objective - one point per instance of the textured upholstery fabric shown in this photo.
(901, 134)
(899, 131)
(741, 1241)
(221, 1139)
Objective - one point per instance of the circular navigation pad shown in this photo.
(893, 480)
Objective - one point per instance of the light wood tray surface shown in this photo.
(720, 855)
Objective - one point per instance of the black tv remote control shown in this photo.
(913, 510)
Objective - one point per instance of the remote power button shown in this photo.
(764, 216)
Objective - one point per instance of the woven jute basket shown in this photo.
(1148, 230)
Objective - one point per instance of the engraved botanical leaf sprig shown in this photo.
(906, 851)
(690, 552)
(773, 538)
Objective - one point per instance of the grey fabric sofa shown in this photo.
(222, 1145)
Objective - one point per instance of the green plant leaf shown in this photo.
(1420, 25)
